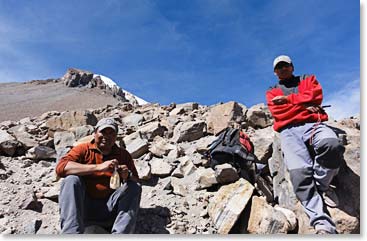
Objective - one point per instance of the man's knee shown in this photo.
(72, 182)
(134, 187)
(303, 184)
(330, 153)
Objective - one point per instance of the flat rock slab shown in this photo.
(229, 203)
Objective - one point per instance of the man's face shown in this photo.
(284, 70)
(105, 138)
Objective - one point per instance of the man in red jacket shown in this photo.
(295, 103)
(86, 197)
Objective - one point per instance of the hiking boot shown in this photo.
(330, 198)
(322, 231)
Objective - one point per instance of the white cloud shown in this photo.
(345, 102)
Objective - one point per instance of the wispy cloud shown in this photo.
(345, 102)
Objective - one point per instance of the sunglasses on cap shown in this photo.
(282, 65)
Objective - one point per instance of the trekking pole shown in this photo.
(325, 106)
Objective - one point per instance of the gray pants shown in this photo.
(311, 174)
(78, 210)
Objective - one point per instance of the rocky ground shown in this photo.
(181, 193)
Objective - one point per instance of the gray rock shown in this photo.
(205, 177)
(63, 141)
(228, 203)
(264, 219)
(30, 202)
(186, 167)
(133, 119)
(259, 116)
(263, 140)
(69, 119)
(76, 77)
(151, 130)
(184, 108)
(136, 145)
(143, 169)
(225, 173)
(160, 147)
(224, 115)
(188, 131)
(33, 226)
(41, 152)
(82, 131)
(8, 144)
(160, 167)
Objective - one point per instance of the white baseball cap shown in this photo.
(281, 58)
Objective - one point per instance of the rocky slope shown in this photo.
(181, 193)
(76, 90)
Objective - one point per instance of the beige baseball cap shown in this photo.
(107, 122)
(281, 58)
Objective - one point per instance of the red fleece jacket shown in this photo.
(294, 111)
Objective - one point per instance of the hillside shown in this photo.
(32, 98)
(182, 194)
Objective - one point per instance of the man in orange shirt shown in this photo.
(86, 197)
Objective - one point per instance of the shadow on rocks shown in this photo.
(152, 182)
(348, 190)
(153, 220)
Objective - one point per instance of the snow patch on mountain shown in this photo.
(110, 83)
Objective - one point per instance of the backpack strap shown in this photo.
(221, 135)
(304, 76)
(230, 137)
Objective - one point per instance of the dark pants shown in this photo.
(78, 210)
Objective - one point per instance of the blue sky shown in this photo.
(207, 51)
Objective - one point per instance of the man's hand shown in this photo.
(107, 166)
(280, 100)
(314, 108)
(123, 171)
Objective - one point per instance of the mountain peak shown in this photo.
(78, 78)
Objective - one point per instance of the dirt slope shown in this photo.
(29, 99)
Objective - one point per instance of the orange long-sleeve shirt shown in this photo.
(98, 183)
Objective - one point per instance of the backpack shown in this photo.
(234, 147)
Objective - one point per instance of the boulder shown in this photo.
(204, 178)
(136, 145)
(262, 140)
(76, 77)
(161, 147)
(259, 116)
(225, 173)
(264, 219)
(160, 167)
(70, 119)
(186, 167)
(151, 130)
(228, 203)
(143, 169)
(8, 144)
(41, 152)
(224, 115)
(133, 119)
(184, 108)
(188, 131)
